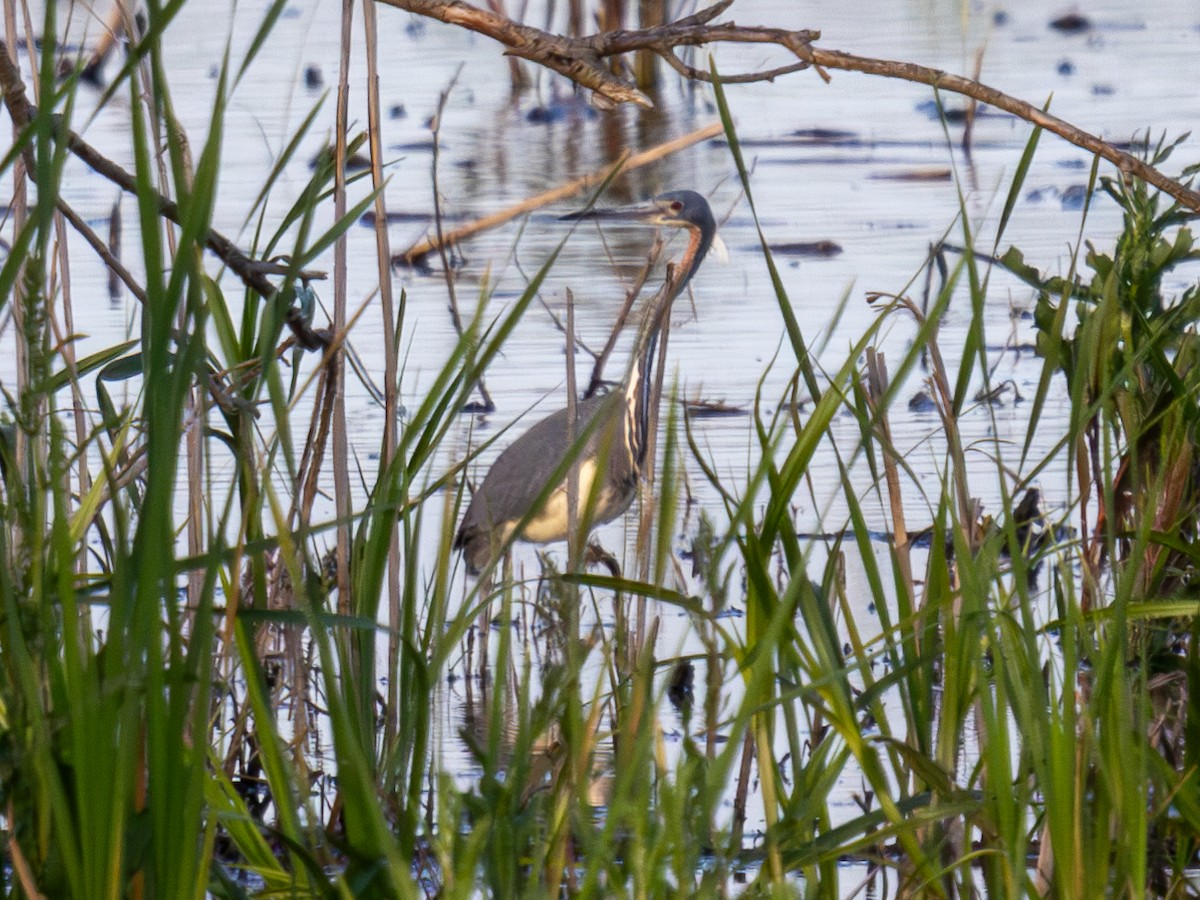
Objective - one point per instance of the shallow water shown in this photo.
(1132, 71)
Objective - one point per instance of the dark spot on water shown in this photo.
(935, 112)
(818, 249)
(415, 27)
(408, 218)
(398, 111)
(912, 175)
(921, 402)
(1071, 164)
(825, 135)
(1103, 90)
(711, 409)
(680, 690)
(1066, 67)
(356, 162)
(1071, 23)
(414, 146)
(999, 18)
(1074, 197)
(560, 111)
(313, 79)
(1133, 145)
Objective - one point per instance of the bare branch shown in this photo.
(250, 271)
(944, 81)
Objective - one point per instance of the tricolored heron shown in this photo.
(617, 432)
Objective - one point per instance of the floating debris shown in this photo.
(313, 79)
(425, 146)
(1072, 23)
(355, 162)
(808, 248)
(913, 175)
(115, 285)
(1066, 67)
(680, 691)
(1030, 520)
(1074, 197)
(560, 111)
(996, 395)
(826, 136)
(407, 218)
(711, 409)
(921, 402)
(956, 115)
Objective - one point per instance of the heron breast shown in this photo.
(551, 521)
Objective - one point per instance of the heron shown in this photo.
(616, 427)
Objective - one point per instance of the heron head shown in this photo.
(681, 209)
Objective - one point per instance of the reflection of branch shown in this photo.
(583, 61)
(22, 113)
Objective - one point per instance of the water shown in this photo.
(873, 197)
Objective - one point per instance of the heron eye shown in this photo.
(676, 206)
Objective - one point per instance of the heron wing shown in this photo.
(520, 473)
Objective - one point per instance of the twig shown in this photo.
(631, 296)
(877, 388)
(102, 250)
(573, 473)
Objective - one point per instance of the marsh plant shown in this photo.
(207, 690)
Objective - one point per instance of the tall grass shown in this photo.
(209, 721)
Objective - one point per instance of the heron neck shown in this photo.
(640, 393)
(679, 273)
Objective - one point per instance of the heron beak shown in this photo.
(641, 212)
